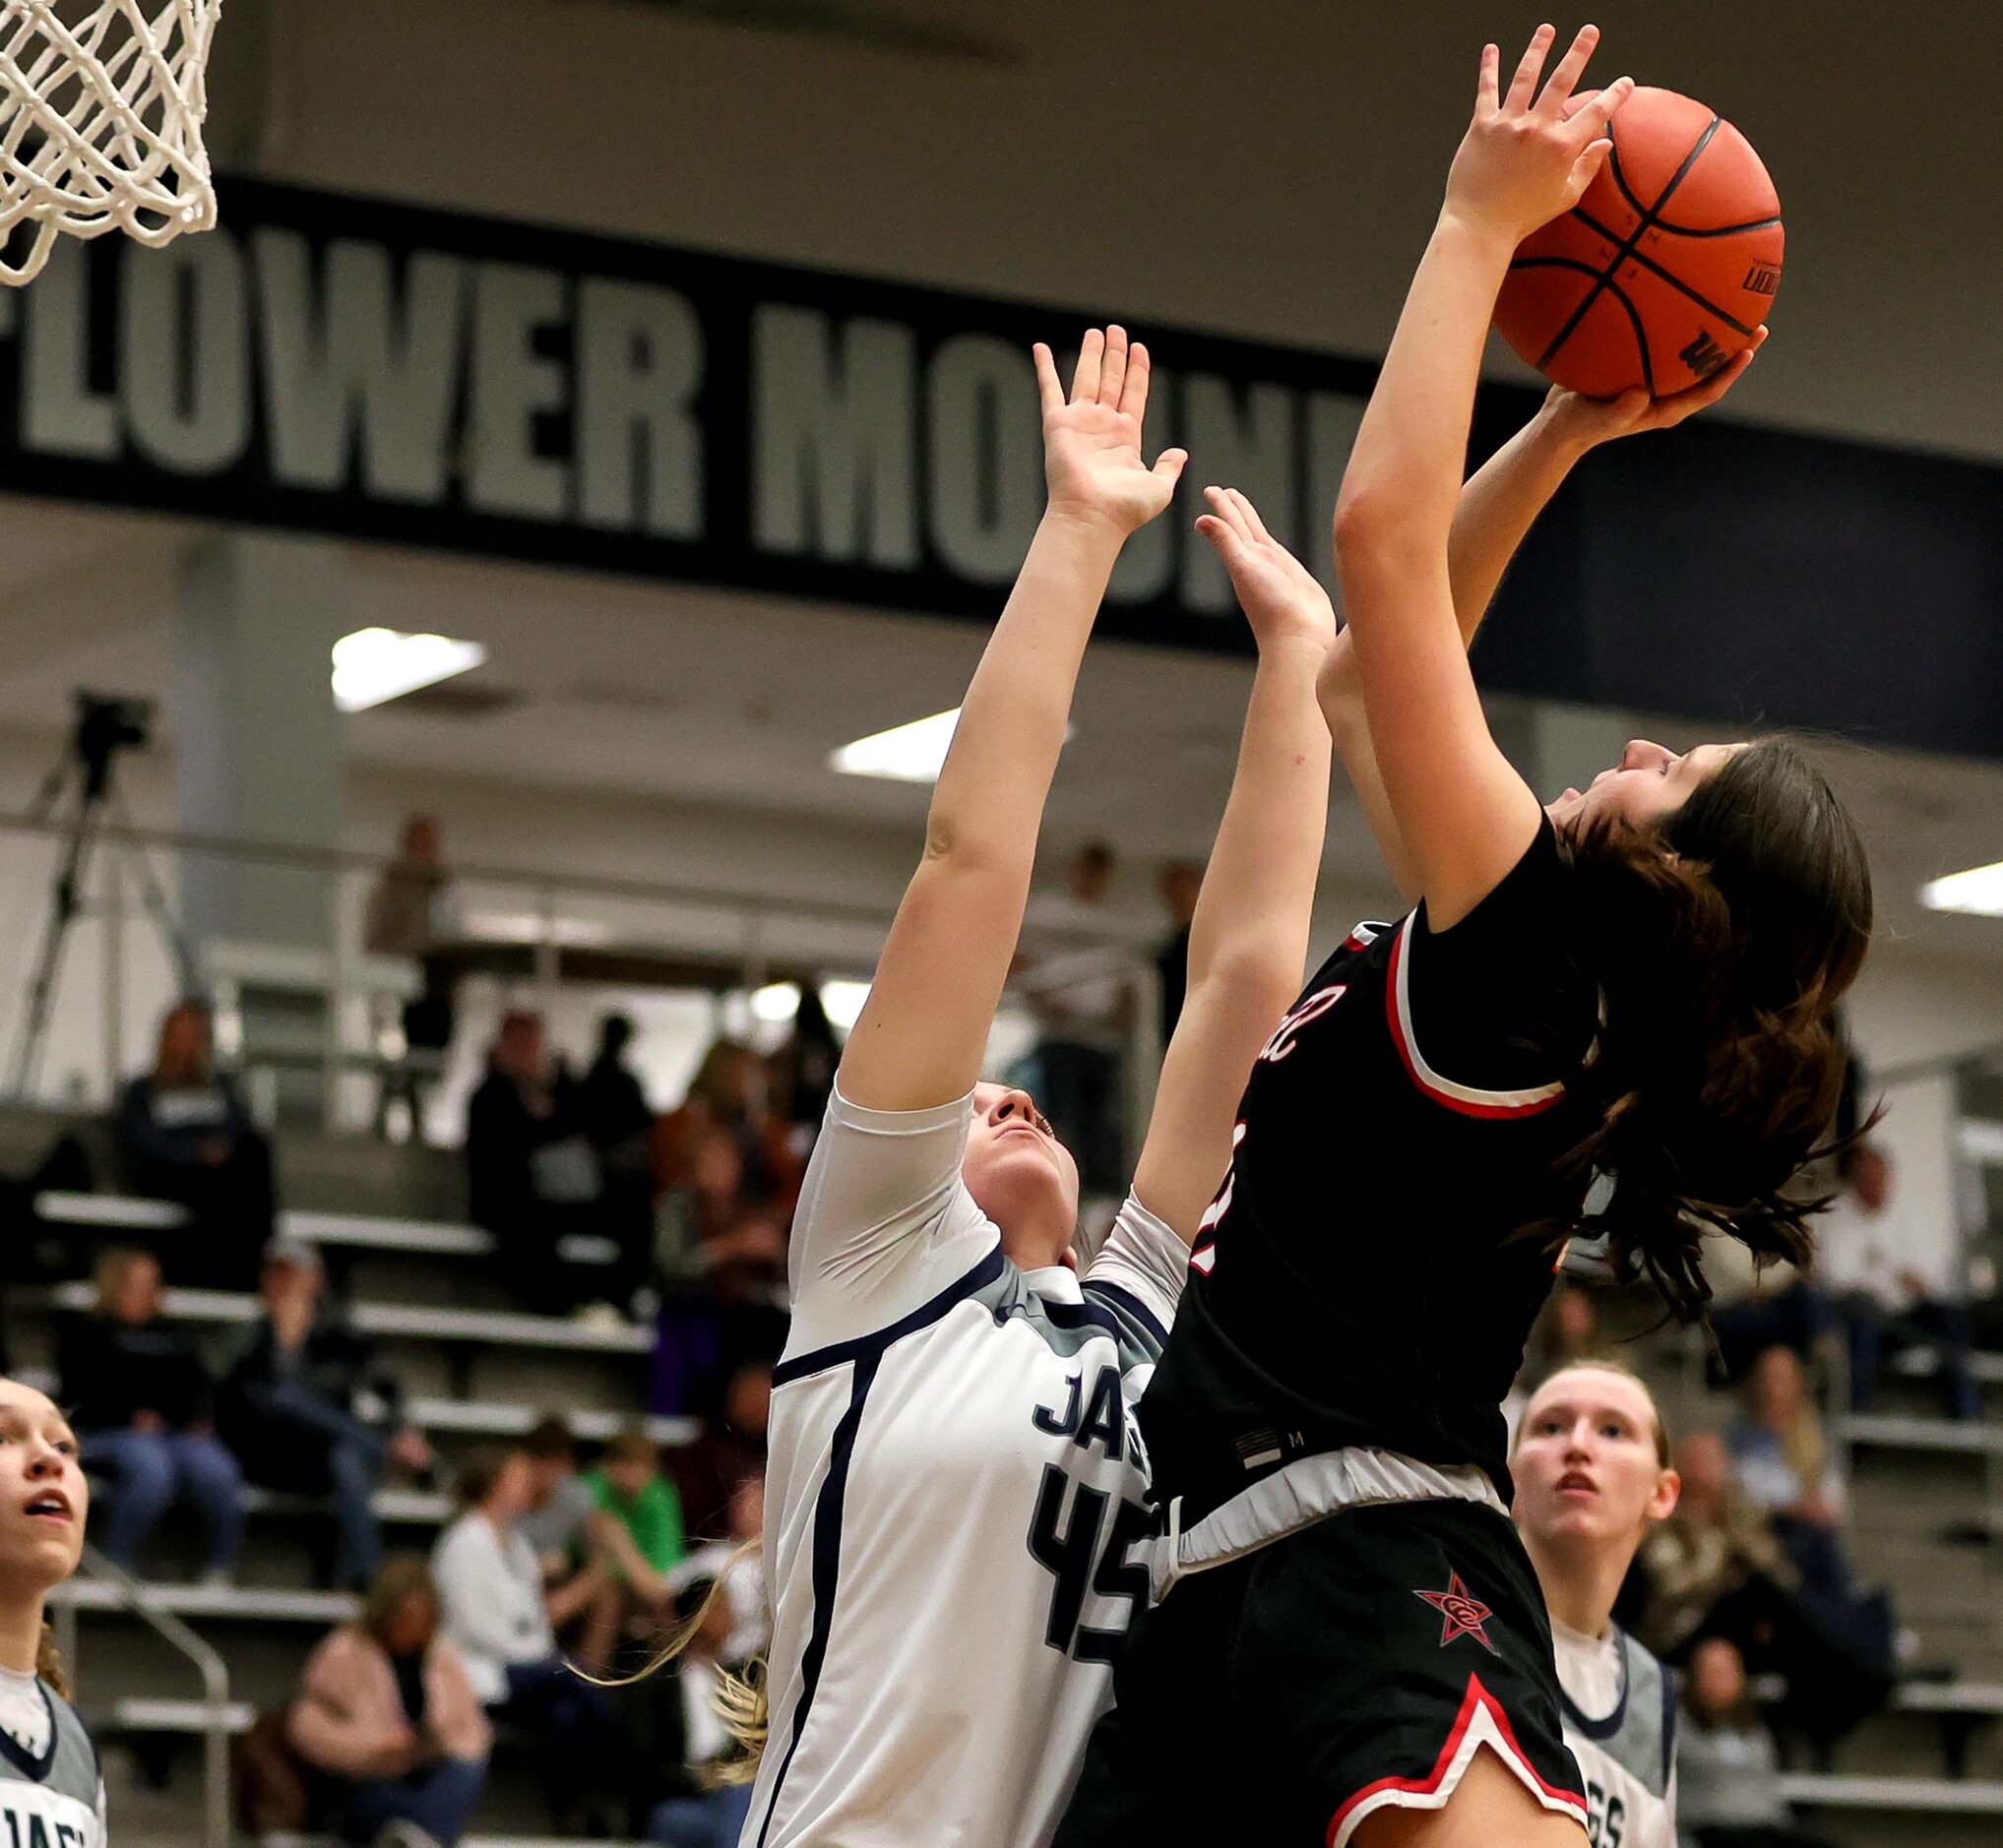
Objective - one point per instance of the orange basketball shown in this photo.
(1664, 268)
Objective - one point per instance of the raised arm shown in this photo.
(1462, 813)
(1248, 940)
(922, 1032)
(1497, 507)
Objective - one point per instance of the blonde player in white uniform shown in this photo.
(956, 1481)
(52, 1793)
(1591, 1471)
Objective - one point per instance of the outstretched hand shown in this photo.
(1091, 442)
(1589, 421)
(1528, 156)
(1280, 595)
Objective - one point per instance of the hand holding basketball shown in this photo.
(1586, 422)
(1092, 442)
(1528, 155)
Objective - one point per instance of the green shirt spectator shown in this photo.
(630, 1487)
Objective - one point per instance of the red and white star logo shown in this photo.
(1462, 1612)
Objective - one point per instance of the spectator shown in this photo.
(803, 1073)
(1181, 881)
(737, 1565)
(411, 915)
(610, 1108)
(729, 1092)
(1714, 1546)
(729, 1446)
(1865, 1259)
(386, 1713)
(532, 1176)
(644, 1537)
(566, 1530)
(142, 1405)
(1084, 1004)
(1728, 1772)
(504, 1623)
(294, 1405)
(681, 1803)
(184, 1136)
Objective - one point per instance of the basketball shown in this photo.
(1663, 270)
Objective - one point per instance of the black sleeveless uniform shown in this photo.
(1362, 1285)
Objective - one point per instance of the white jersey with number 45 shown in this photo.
(955, 1489)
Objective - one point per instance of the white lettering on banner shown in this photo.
(185, 355)
(511, 383)
(60, 416)
(833, 438)
(985, 483)
(1251, 449)
(358, 362)
(639, 447)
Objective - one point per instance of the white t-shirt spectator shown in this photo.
(490, 1602)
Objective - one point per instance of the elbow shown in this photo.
(1377, 532)
(1255, 980)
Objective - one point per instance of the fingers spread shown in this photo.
(1049, 393)
(1112, 372)
(1523, 85)
(1592, 117)
(1085, 380)
(1488, 82)
(1250, 516)
(1566, 76)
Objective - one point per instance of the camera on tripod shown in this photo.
(105, 725)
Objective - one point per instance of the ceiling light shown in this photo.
(841, 1001)
(906, 754)
(1979, 892)
(776, 1003)
(372, 665)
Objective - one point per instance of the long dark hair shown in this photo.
(1721, 942)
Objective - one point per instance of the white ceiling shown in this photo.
(666, 690)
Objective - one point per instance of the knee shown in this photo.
(211, 1466)
(352, 1467)
(145, 1470)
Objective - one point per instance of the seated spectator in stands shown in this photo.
(1728, 1771)
(533, 1178)
(307, 1412)
(411, 915)
(729, 1445)
(142, 1404)
(730, 1093)
(737, 1565)
(386, 1713)
(644, 1536)
(185, 1136)
(1180, 882)
(1866, 1260)
(610, 1108)
(1782, 1463)
(504, 1623)
(802, 1073)
(680, 1801)
(568, 1534)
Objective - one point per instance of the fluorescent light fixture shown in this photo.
(776, 1003)
(372, 665)
(905, 754)
(1979, 892)
(841, 1001)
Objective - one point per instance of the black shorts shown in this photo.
(1357, 1664)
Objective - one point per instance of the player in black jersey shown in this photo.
(1636, 982)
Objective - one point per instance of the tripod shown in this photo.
(79, 791)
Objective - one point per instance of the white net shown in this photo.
(100, 123)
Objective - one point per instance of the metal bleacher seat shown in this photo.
(1919, 1795)
(263, 1604)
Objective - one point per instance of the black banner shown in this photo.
(370, 370)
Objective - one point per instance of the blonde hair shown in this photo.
(1592, 1363)
(48, 1661)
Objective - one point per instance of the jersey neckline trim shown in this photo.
(1466, 1099)
(19, 1755)
(866, 1346)
(1601, 1730)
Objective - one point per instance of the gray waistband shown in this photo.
(1305, 1491)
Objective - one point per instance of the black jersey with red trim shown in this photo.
(1361, 1277)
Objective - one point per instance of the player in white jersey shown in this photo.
(1591, 1472)
(956, 1483)
(52, 1793)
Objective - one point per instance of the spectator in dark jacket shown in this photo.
(306, 1413)
(610, 1108)
(185, 1136)
(142, 1404)
(532, 1175)
(680, 1800)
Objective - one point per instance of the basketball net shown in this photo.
(100, 122)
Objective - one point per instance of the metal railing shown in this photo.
(134, 1598)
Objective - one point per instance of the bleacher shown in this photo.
(1928, 1769)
